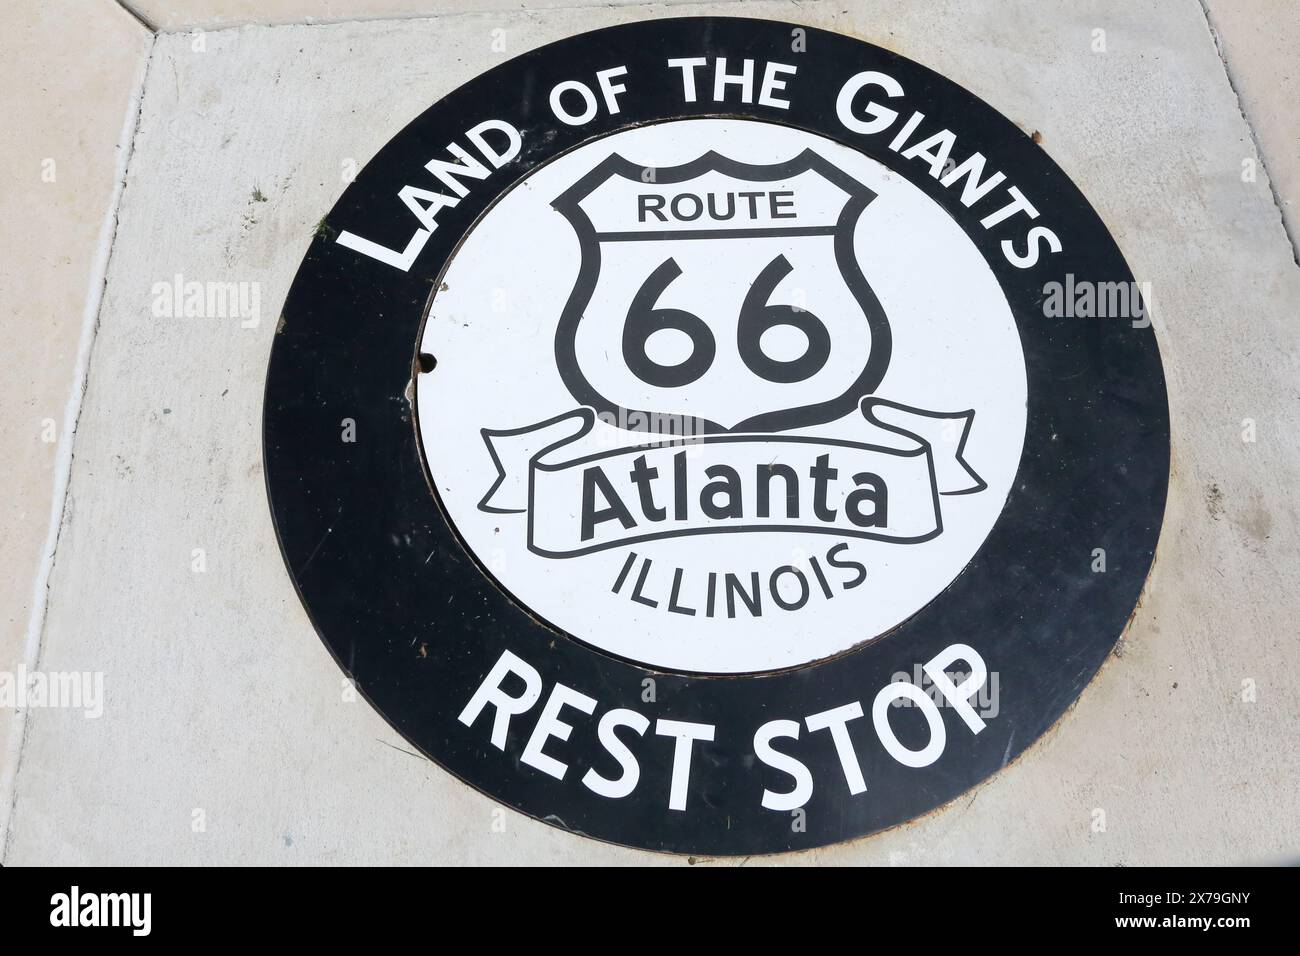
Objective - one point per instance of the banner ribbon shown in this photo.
(885, 486)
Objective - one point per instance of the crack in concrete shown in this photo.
(61, 499)
(1250, 126)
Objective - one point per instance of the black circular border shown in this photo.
(409, 617)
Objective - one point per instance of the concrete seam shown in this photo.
(64, 453)
(137, 16)
(1250, 126)
(184, 30)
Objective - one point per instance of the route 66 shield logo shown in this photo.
(666, 433)
(728, 235)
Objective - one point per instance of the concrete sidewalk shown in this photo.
(226, 736)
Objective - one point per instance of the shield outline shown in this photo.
(860, 196)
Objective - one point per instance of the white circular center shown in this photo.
(609, 328)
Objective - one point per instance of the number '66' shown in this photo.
(757, 315)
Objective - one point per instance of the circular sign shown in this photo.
(717, 436)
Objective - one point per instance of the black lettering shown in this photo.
(677, 590)
(637, 591)
(641, 475)
(765, 473)
(776, 591)
(874, 492)
(727, 482)
(679, 486)
(821, 578)
(713, 208)
(593, 479)
(822, 474)
(753, 600)
(781, 200)
(650, 203)
(622, 575)
(698, 207)
(858, 567)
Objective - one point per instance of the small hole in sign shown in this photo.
(427, 362)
